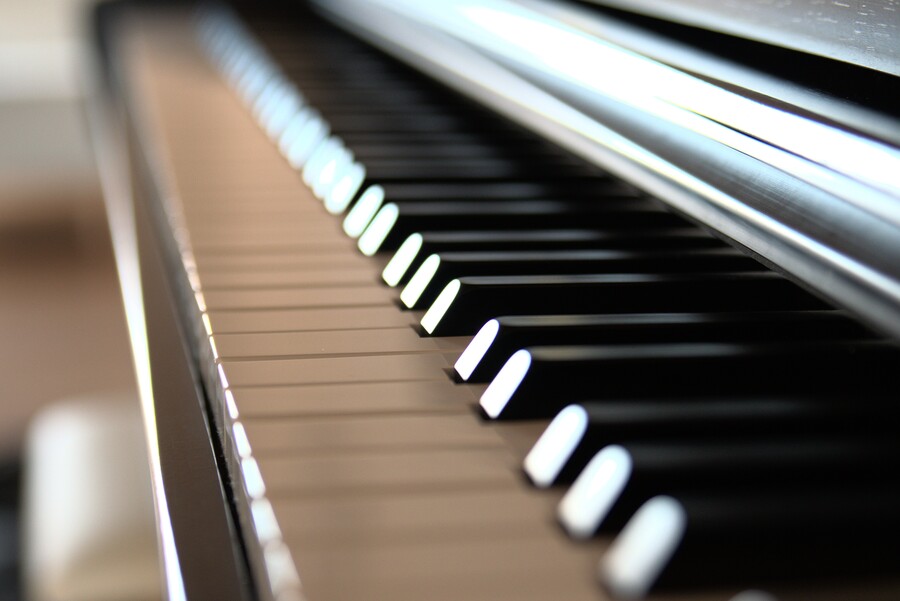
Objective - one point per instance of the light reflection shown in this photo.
(341, 194)
(439, 307)
(252, 81)
(420, 280)
(272, 87)
(256, 81)
(231, 406)
(506, 382)
(223, 380)
(281, 571)
(553, 449)
(331, 171)
(471, 357)
(310, 137)
(281, 95)
(372, 239)
(207, 325)
(573, 56)
(253, 481)
(236, 61)
(319, 158)
(402, 259)
(642, 550)
(362, 213)
(293, 129)
(589, 499)
(277, 115)
(241, 442)
(237, 64)
(201, 301)
(467, 57)
(283, 114)
(264, 521)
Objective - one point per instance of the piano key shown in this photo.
(524, 215)
(299, 142)
(528, 384)
(363, 210)
(263, 237)
(287, 277)
(344, 106)
(312, 245)
(284, 345)
(353, 398)
(439, 269)
(328, 148)
(271, 261)
(417, 247)
(748, 537)
(468, 149)
(301, 320)
(386, 122)
(359, 433)
(507, 190)
(411, 169)
(371, 368)
(501, 337)
(579, 431)
(500, 511)
(621, 477)
(231, 200)
(467, 303)
(526, 568)
(447, 138)
(368, 472)
(296, 298)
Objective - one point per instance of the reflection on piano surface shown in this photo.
(444, 358)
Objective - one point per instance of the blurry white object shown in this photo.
(89, 531)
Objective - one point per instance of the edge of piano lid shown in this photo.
(804, 178)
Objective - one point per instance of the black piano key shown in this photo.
(439, 269)
(529, 385)
(394, 122)
(411, 138)
(509, 190)
(501, 337)
(463, 149)
(417, 247)
(502, 168)
(461, 119)
(467, 303)
(620, 477)
(831, 533)
(412, 217)
(384, 171)
(579, 431)
(480, 191)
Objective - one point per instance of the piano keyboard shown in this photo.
(446, 360)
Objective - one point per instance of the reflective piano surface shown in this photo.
(308, 440)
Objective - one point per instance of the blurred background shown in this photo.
(62, 329)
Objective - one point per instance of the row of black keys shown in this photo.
(764, 418)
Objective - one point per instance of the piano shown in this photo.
(505, 300)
